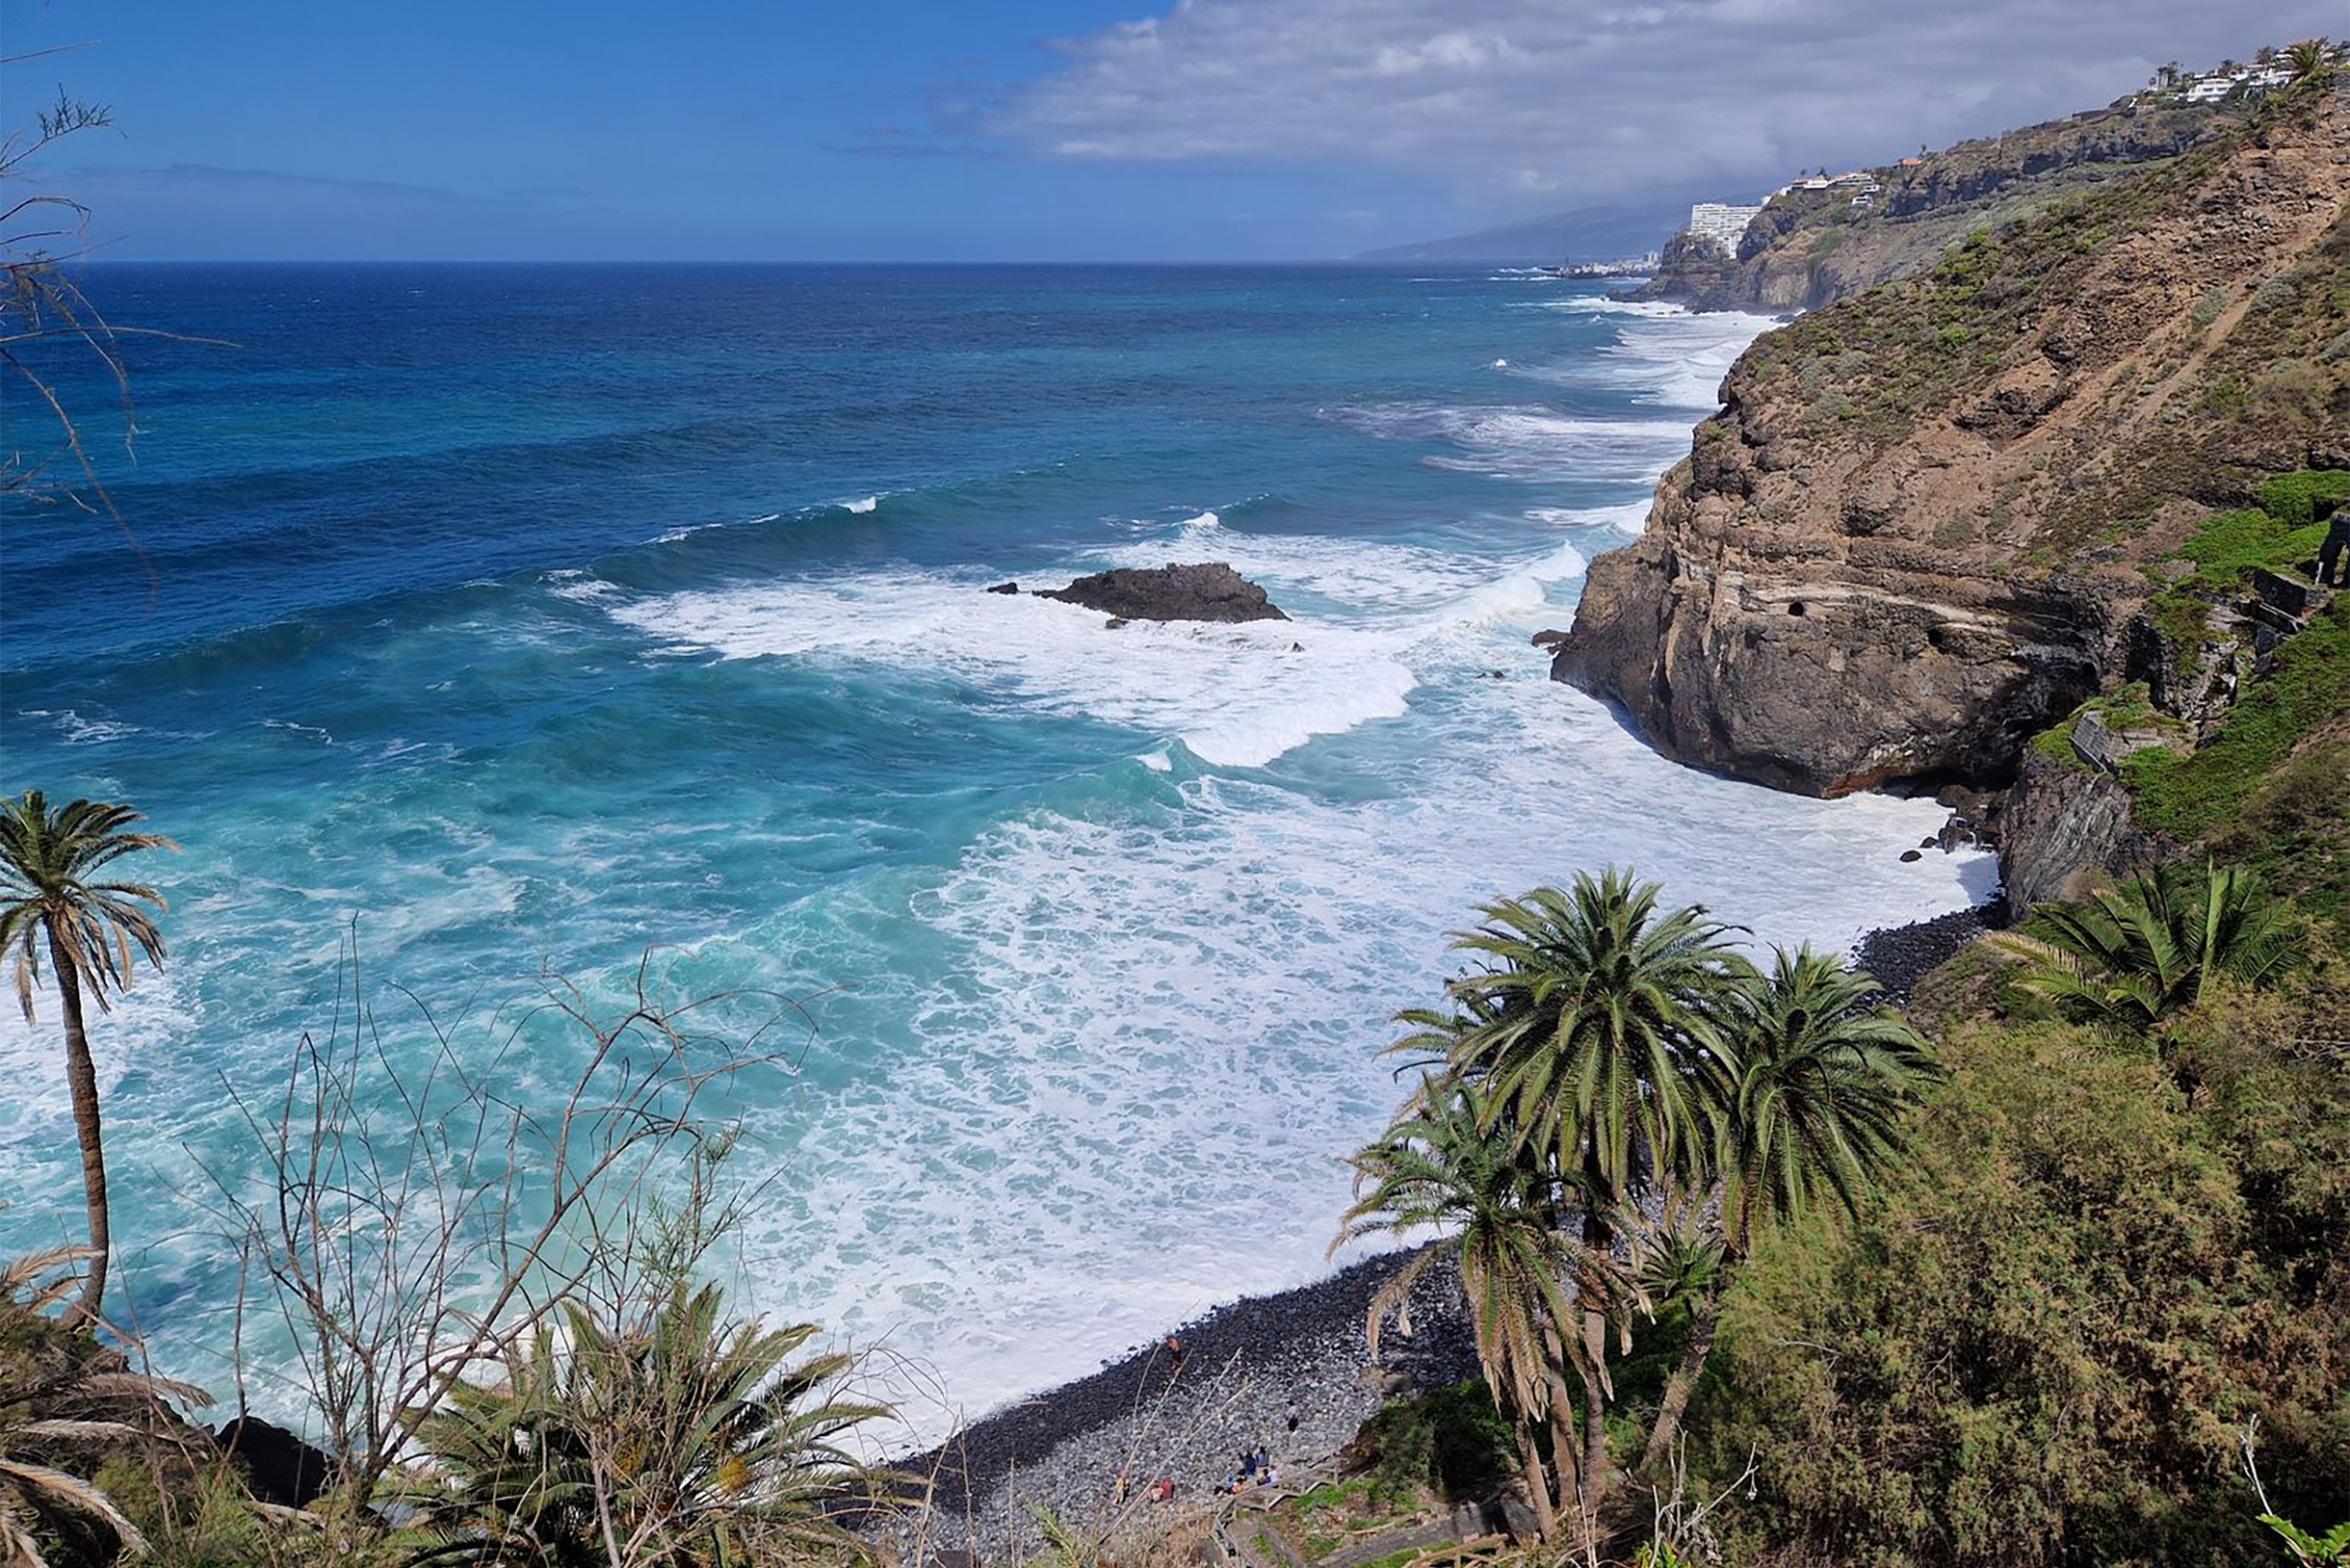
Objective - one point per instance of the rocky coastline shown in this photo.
(1244, 1372)
(1248, 1366)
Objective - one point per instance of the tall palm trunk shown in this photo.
(81, 1077)
(1705, 1317)
(1564, 1457)
(1537, 1482)
(1599, 1240)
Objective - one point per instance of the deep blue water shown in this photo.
(528, 615)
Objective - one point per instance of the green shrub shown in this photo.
(2292, 499)
(2187, 796)
(1453, 1442)
(2040, 1347)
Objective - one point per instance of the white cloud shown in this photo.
(1520, 98)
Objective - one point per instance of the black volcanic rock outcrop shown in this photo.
(1206, 590)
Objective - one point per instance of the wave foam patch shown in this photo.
(1088, 1174)
(1680, 360)
(1629, 517)
(861, 506)
(1238, 696)
(1524, 590)
(76, 730)
(1351, 579)
(1528, 443)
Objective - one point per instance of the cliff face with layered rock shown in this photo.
(1930, 520)
(1808, 249)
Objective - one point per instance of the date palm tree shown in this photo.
(49, 897)
(64, 1400)
(1596, 1033)
(1813, 1114)
(2306, 58)
(2134, 955)
(1596, 1022)
(1443, 1167)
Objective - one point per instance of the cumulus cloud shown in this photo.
(1520, 100)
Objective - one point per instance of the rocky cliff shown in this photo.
(1929, 520)
(1808, 249)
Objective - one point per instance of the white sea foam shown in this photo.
(1236, 695)
(580, 588)
(77, 730)
(1672, 357)
(862, 505)
(1088, 1174)
(1527, 442)
(691, 529)
(1628, 517)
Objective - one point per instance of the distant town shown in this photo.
(1722, 225)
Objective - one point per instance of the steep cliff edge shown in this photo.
(1809, 248)
(1929, 520)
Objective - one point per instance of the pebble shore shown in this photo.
(1244, 1369)
(1247, 1366)
(1900, 957)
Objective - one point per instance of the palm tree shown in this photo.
(1594, 1023)
(47, 859)
(2306, 59)
(1813, 1113)
(2131, 957)
(1594, 1031)
(1443, 1167)
(60, 1395)
(682, 1438)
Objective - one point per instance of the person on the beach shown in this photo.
(1248, 1467)
(1164, 1489)
(1175, 1352)
(1296, 1416)
(1117, 1491)
(1260, 1462)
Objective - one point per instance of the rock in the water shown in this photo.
(280, 1468)
(1208, 590)
(1912, 855)
(1004, 587)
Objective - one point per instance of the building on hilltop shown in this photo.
(1721, 223)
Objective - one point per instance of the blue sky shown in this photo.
(1054, 129)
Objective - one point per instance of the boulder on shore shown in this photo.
(1208, 590)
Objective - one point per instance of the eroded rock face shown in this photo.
(1919, 532)
(1816, 660)
(2065, 828)
(1208, 590)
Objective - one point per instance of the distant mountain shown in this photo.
(1585, 234)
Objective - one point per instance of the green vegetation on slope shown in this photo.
(2280, 535)
(2283, 753)
(2042, 1343)
(1870, 370)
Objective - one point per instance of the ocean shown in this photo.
(501, 620)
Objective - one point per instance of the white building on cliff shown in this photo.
(1722, 223)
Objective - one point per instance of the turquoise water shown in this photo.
(518, 617)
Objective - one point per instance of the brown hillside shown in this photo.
(1924, 524)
